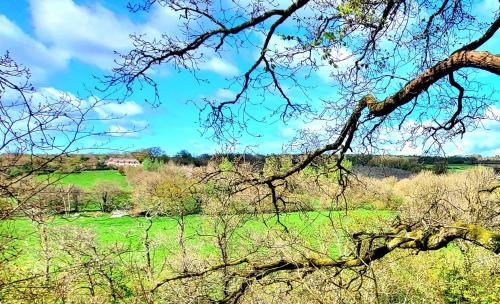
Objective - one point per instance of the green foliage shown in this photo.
(277, 164)
(307, 172)
(461, 287)
(286, 163)
(15, 171)
(328, 170)
(185, 158)
(351, 7)
(226, 165)
(84, 158)
(110, 196)
(331, 171)
(165, 193)
(152, 164)
(345, 9)
(455, 287)
(122, 230)
(122, 201)
(270, 166)
(399, 162)
(329, 36)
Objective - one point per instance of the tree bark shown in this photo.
(463, 59)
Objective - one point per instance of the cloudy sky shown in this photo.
(67, 42)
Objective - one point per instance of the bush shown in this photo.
(440, 166)
(110, 196)
(461, 286)
(373, 194)
(164, 192)
(445, 199)
(152, 164)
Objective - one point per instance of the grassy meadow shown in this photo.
(130, 230)
(87, 179)
(135, 252)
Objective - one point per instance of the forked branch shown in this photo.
(401, 237)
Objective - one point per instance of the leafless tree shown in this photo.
(36, 129)
(405, 68)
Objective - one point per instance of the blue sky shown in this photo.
(66, 42)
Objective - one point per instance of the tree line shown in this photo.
(74, 163)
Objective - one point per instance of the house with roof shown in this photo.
(120, 162)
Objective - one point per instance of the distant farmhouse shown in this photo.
(118, 162)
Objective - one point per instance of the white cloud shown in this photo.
(487, 8)
(220, 66)
(272, 4)
(48, 97)
(63, 95)
(342, 57)
(29, 51)
(88, 33)
(317, 126)
(118, 130)
(225, 94)
(483, 140)
(289, 55)
(287, 132)
(139, 124)
(55, 118)
(493, 112)
(161, 20)
(91, 33)
(116, 110)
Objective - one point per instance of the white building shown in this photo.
(118, 162)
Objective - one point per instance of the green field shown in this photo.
(459, 167)
(129, 230)
(453, 167)
(87, 179)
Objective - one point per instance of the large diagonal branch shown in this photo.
(464, 59)
(402, 237)
(421, 240)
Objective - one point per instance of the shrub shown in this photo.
(165, 192)
(110, 196)
(152, 164)
(444, 199)
(374, 194)
(440, 166)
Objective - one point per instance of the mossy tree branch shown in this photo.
(401, 237)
